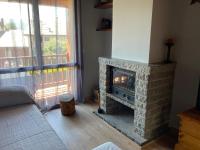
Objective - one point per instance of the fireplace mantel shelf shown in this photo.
(126, 103)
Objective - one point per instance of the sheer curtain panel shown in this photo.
(37, 48)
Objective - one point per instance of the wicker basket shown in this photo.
(67, 104)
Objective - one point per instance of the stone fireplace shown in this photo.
(143, 90)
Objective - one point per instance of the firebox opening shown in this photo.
(121, 117)
(122, 84)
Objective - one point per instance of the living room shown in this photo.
(99, 74)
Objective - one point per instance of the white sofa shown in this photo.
(22, 126)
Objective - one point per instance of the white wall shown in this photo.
(136, 38)
(160, 30)
(186, 21)
(132, 29)
(108, 13)
(95, 44)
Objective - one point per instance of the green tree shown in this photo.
(52, 46)
(11, 25)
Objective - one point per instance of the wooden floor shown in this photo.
(85, 130)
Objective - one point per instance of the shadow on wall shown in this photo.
(95, 44)
(185, 91)
(187, 31)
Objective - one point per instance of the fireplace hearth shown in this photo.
(146, 89)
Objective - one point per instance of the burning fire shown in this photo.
(121, 79)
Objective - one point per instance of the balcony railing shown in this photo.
(25, 61)
(49, 82)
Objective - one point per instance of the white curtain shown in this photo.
(43, 61)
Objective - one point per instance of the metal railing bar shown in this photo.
(37, 68)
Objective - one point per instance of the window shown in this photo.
(43, 61)
(58, 32)
(15, 47)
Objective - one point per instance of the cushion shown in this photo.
(11, 96)
(107, 146)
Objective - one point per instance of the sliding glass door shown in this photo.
(37, 48)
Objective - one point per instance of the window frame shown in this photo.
(38, 41)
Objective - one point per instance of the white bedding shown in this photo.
(107, 146)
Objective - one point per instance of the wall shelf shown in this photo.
(105, 5)
(104, 29)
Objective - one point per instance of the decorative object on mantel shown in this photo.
(194, 1)
(198, 98)
(169, 43)
(105, 25)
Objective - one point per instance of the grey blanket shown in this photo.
(24, 128)
(15, 95)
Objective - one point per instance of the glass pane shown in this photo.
(16, 48)
(57, 31)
